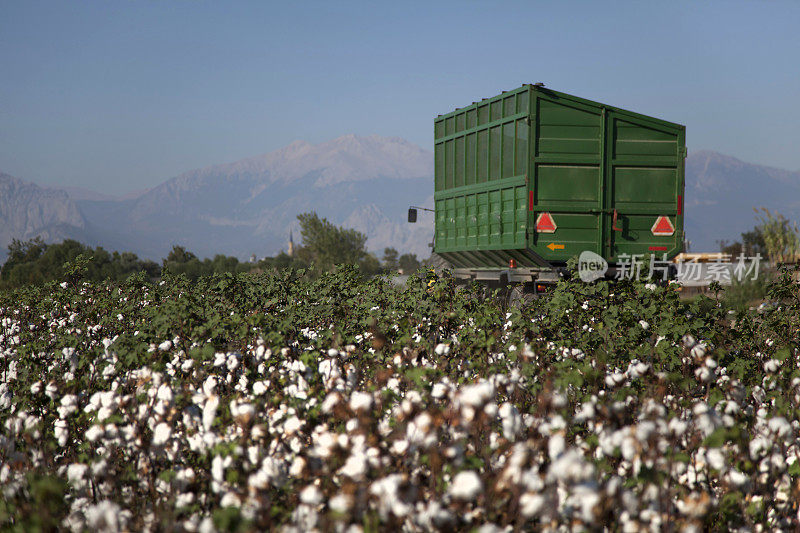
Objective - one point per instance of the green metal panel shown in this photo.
(501, 162)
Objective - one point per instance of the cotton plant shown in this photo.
(279, 402)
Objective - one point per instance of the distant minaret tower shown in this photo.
(290, 252)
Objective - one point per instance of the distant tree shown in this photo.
(179, 254)
(390, 259)
(370, 265)
(327, 244)
(751, 243)
(409, 263)
(781, 237)
(34, 262)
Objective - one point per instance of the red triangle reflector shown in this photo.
(545, 223)
(663, 227)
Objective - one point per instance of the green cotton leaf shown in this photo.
(715, 396)
(782, 354)
(717, 439)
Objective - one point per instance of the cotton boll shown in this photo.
(556, 446)
(210, 411)
(94, 433)
(466, 486)
(341, 503)
(439, 390)
(716, 459)
(61, 432)
(355, 467)
(360, 401)
(161, 434)
(476, 395)
(531, 504)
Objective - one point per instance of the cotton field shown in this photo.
(342, 404)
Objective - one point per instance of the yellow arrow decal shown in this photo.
(554, 246)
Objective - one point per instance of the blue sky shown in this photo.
(119, 96)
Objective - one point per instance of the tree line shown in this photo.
(325, 245)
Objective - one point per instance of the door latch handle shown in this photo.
(614, 222)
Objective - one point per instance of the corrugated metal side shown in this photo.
(503, 161)
(481, 190)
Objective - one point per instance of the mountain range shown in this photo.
(366, 183)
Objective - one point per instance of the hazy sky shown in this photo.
(120, 95)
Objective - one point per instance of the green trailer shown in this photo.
(531, 177)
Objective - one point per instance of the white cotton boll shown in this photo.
(689, 341)
(75, 474)
(703, 374)
(715, 458)
(94, 433)
(780, 426)
(341, 503)
(439, 390)
(628, 448)
(187, 365)
(104, 413)
(399, 447)
(330, 402)
(259, 388)
(105, 516)
(442, 349)
(210, 412)
(650, 287)
(207, 525)
(292, 425)
(61, 432)
(165, 346)
(614, 379)
(738, 478)
(355, 467)
(184, 499)
(164, 393)
(36, 388)
(209, 385)
(699, 351)
(218, 469)
(230, 500)
(772, 366)
(586, 412)
(476, 395)
(50, 390)
(556, 446)
(161, 434)
(511, 420)
(645, 325)
(758, 447)
(466, 486)
(531, 504)
(360, 401)
(298, 466)
(645, 429)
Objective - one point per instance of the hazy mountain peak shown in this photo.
(28, 211)
(343, 159)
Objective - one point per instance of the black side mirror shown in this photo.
(412, 215)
